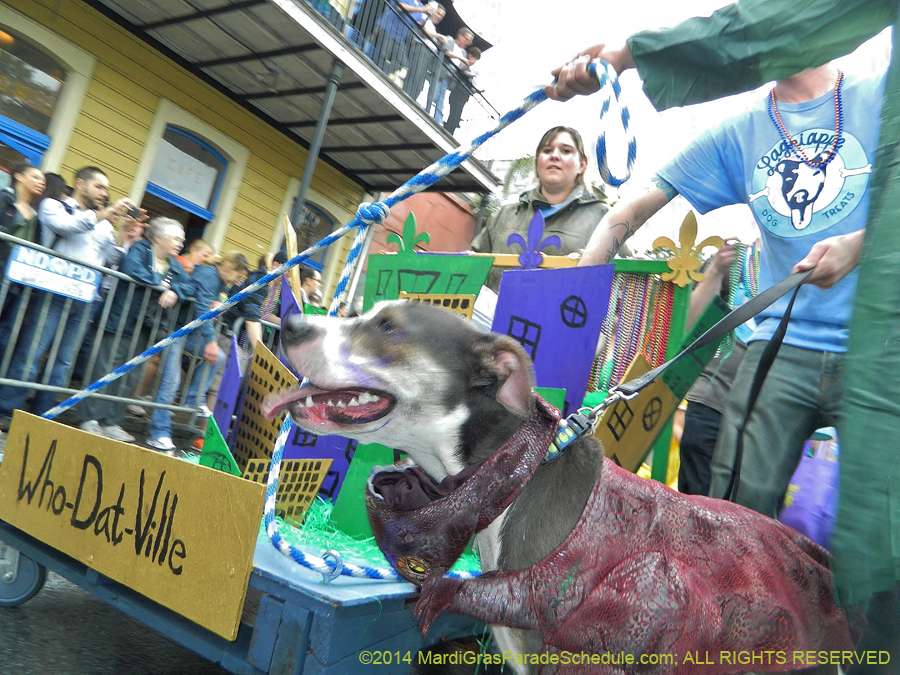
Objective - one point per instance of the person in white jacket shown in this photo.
(80, 227)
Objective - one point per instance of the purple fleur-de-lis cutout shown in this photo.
(531, 252)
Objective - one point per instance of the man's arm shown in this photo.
(834, 258)
(714, 275)
(737, 48)
(623, 220)
(254, 333)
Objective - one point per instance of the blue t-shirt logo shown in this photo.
(792, 199)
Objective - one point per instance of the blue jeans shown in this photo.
(440, 90)
(111, 413)
(161, 419)
(801, 393)
(42, 336)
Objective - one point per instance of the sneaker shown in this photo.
(163, 444)
(92, 427)
(117, 433)
(136, 410)
(204, 411)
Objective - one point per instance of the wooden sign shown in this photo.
(254, 436)
(454, 274)
(290, 249)
(556, 315)
(298, 484)
(461, 304)
(148, 521)
(338, 450)
(628, 428)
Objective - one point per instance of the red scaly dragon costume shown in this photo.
(646, 570)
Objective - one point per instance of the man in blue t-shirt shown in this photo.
(806, 185)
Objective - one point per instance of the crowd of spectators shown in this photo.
(162, 284)
(405, 40)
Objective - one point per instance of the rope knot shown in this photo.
(373, 214)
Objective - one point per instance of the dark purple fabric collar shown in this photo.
(422, 526)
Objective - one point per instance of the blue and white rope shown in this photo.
(608, 79)
(196, 323)
(367, 215)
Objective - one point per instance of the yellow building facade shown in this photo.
(128, 109)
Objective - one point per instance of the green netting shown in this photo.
(319, 535)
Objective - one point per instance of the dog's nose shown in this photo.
(296, 330)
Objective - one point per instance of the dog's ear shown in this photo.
(504, 357)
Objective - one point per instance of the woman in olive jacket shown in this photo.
(571, 211)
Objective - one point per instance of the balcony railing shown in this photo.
(389, 37)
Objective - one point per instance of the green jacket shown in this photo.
(573, 223)
(742, 47)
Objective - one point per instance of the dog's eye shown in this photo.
(387, 326)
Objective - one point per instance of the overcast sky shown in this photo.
(531, 37)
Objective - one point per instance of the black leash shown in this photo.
(762, 369)
(584, 419)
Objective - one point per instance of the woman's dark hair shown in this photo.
(56, 187)
(20, 169)
(548, 137)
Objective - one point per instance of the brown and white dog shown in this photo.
(424, 381)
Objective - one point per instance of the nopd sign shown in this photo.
(179, 533)
(49, 273)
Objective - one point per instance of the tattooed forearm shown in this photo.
(618, 232)
(613, 249)
(665, 186)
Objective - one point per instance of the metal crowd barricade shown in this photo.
(25, 306)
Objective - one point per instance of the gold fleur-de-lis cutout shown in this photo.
(686, 262)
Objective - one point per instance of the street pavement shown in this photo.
(65, 630)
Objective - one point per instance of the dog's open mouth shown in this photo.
(326, 407)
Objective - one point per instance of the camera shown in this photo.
(133, 212)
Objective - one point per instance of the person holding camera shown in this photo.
(79, 227)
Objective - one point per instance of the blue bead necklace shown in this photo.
(838, 125)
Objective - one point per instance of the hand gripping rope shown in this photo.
(331, 565)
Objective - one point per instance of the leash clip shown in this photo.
(582, 422)
(613, 396)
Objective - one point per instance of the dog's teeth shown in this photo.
(364, 397)
(330, 404)
(341, 404)
(309, 401)
(354, 401)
